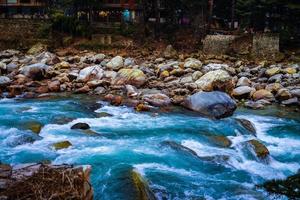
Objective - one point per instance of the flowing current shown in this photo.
(127, 140)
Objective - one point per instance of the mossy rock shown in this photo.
(90, 132)
(289, 187)
(247, 125)
(143, 190)
(220, 140)
(62, 145)
(34, 126)
(259, 148)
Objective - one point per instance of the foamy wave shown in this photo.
(141, 168)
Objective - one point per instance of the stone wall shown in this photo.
(264, 46)
(217, 44)
(20, 33)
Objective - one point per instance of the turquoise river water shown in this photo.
(129, 140)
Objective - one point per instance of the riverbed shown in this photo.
(121, 140)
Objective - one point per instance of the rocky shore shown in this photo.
(42, 181)
(152, 81)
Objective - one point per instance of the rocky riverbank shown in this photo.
(151, 81)
(41, 181)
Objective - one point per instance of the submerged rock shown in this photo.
(211, 104)
(220, 140)
(259, 148)
(142, 187)
(179, 147)
(34, 126)
(62, 145)
(289, 187)
(82, 126)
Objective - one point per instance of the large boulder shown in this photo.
(259, 148)
(133, 77)
(116, 63)
(89, 73)
(35, 71)
(4, 81)
(218, 79)
(211, 104)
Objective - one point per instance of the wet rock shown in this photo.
(283, 94)
(33, 126)
(133, 77)
(115, 63)
(216, 158)
(158, 99)
(242, 92)
(141, 186)
(4, 81)
(220, 140)
(103, 114)
(179, 148)
(211, 104)
(254, 105)
(215, 80)
(247, 125)
(260, 149)
(35, 71)
(115, 100)
(89, 73)
(24, 138)
(142, 108)
(193, 63)
(82, 126)
(262, 94)
(170, 52)
(289, 187)
(61, 145)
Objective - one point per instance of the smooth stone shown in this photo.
(192, 63)
(82, 126)
(35, 71)
(34, 126)
(89, 73)
(243, 81)
(61, 145)
(262, 94)
(254, 105)
(211, 104)
(272, 71)
(283, 94)
(242, 91)
(4, 81)
(158, 99)
(260, 149)
(292, 101)
(247, 125)
(133, 77)
(220, 140)
(115, 63)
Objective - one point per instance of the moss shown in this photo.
(260, 149)
(143, 190)
(62, 145)
(34, 126)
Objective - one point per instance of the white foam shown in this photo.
(141, 168)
